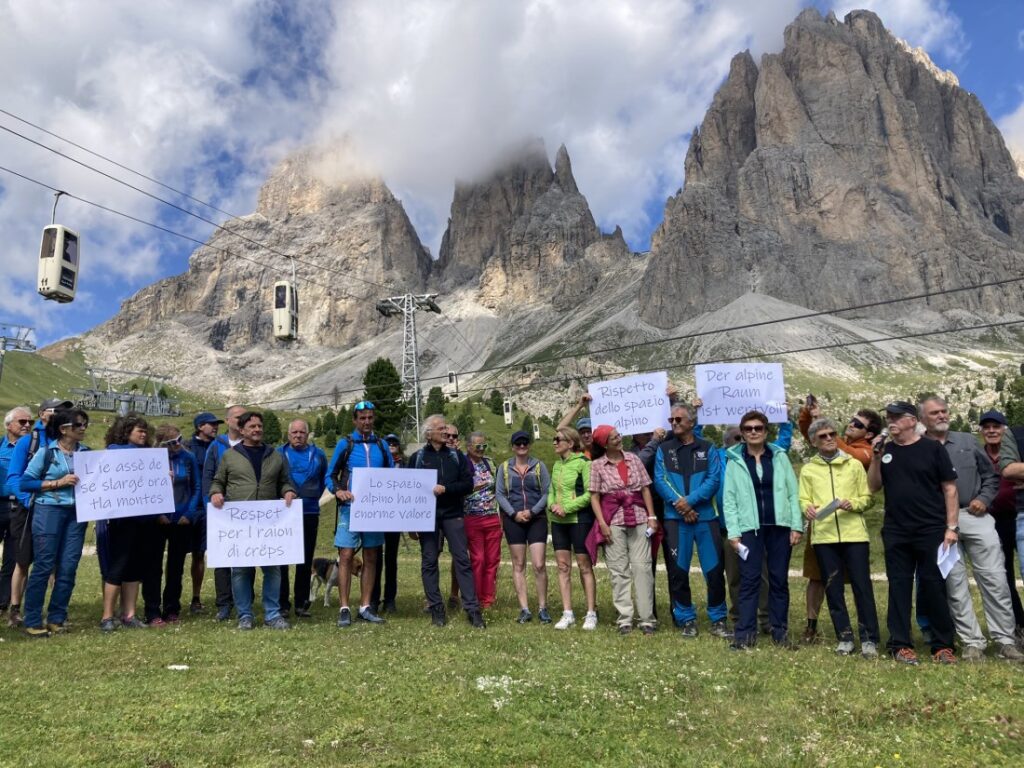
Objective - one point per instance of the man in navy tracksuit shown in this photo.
(687, 475)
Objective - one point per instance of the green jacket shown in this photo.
(842, 478)
(738, 496)
(236, 479)
(565, 488)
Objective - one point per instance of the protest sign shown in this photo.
(731, 389)
(393, 499)
(243, 534)
(122, 483)
(632, 404)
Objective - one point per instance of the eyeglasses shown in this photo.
(827, 435)
(171, 443)
(755, 428)
(858, 424)
(521, 444)
(363, 405)
(676, 420)
(479, 446)
(24, 422)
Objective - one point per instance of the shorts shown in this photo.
(572, 536)
(198, 544)
(126, 550)
(533, 532)
(811, 570)
(346, 539)
(21, 534)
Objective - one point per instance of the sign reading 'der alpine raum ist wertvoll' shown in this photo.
(729, 390)
(393, 499)
(122, 483)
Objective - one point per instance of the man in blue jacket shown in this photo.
(360, 449)
(307, 466)
(687, 475)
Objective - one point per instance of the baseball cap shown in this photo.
(205, 418)
(392, 439)
(901, 407)
(55, 402)
(995, 416)
(520, 435)
(583, 423)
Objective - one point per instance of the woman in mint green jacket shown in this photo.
(762, 514)
(571, 521)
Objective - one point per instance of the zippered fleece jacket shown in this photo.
(738, 494)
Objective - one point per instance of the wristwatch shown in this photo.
(954, 528)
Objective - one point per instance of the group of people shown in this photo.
(740, 506)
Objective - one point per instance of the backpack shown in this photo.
(342, 473)
(416, 462)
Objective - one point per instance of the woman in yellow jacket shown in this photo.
(834, 496)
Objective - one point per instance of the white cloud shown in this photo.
(1012, 128)
(929, 24)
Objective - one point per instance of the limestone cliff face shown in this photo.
(357, 229)
(843, 169)
(526, 234)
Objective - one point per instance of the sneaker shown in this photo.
(544, 616)
(245, 623)
(647, 629)
(196, 606)
(944, 656)
(367, 615)
(173, 618)
(1010, 652)
(625, 629)
(567, 620)
(689, 629)
(108, 625)
(590, 621)
(868, 650)
(224, 614)
(525, 617)
(57, 629)
(390, 607)
(720, 629)
(133, 623)
(37, 632)
(437, 615)
(973, 654)
(810, 636)
(156, 622)
(344, 618)
(303, 613)
(14, 616)
(845, 647)
(454, 602)
(476, 619)
(736, 645)
(906, 656)
(278, 623)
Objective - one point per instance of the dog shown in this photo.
(325, 574)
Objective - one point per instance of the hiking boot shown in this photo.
(156, 622)
(173, 618)
(590, 621)
(245, 623)
(1010, 652)
(303, 613)
(845, 647)
(344, 618)
(476, 619)
(14, 616)
(736, 645)
(133, 623)
(973, 654)
(544, 616)
(108, 625)
(689, 629)
(625, 629)
(196, 606)
(869, 650)
(567, 620)
(390, 607)
(720, 629)
(647, 629)
(57, 629)
(525, 617)
(906, 656)
(944, 656)
(437, 615)
(37, 633)
(811, 636)
(224, 614)
(367, 615)
(277, 623)
(785, 644)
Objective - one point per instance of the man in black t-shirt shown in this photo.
(921, 513)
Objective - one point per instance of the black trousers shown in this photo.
(388, 566)
(303, 570)
(454, 532)
(905, 555)
(854, 558)
(222, 583)
(10, 550)
(179, 545)
(1006, 527)
(151, 538)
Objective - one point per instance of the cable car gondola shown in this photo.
(58, 260)
(286, 309)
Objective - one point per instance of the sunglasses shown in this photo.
(827, 435)
(676, 420)
(521, 444)
(171, 443)
(479, 446)
(363, 405)
(754, 428)
(858, 424)
(77, 425)
(452, 437)
(559, 440)
(24, 422)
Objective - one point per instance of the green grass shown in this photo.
(409, 694)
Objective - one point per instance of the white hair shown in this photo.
(14, 412)
(430, 422)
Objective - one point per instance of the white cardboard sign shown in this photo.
(393, 500)
(632, 404)
(729, 390)
(122, 483)
(242, 534)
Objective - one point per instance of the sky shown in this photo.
(206, 97)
